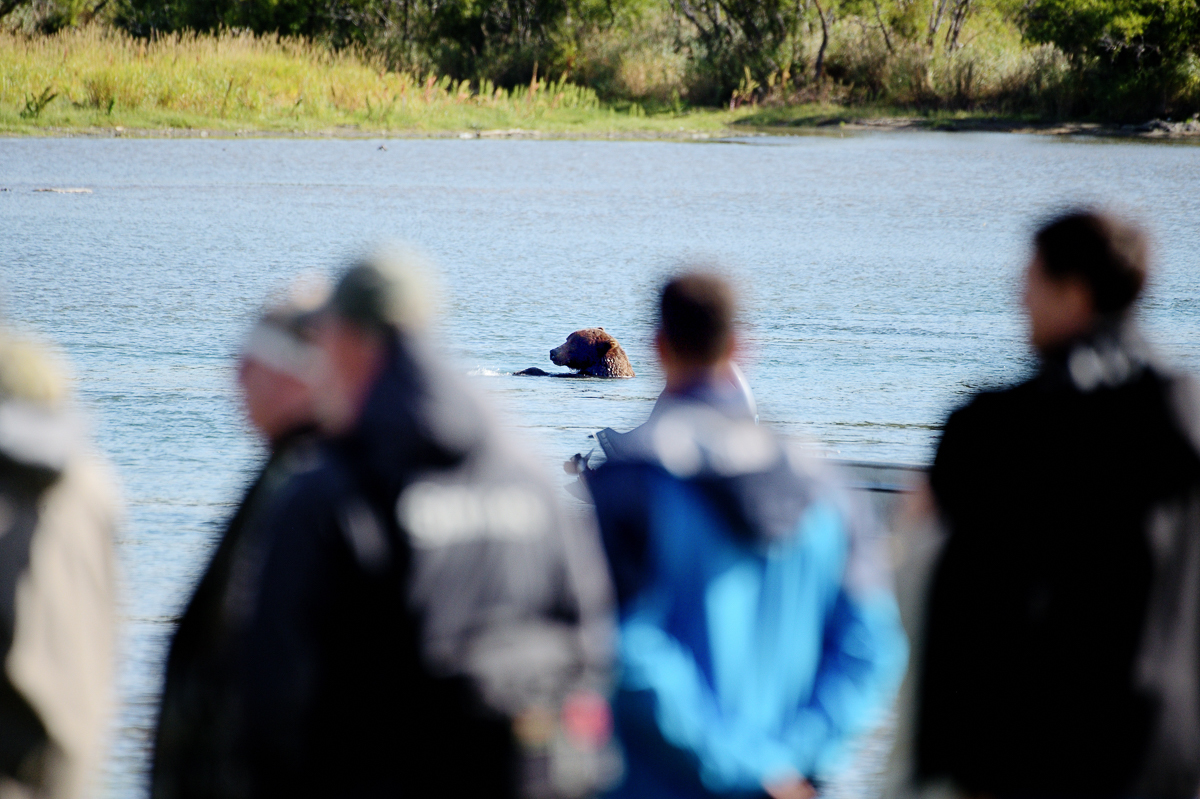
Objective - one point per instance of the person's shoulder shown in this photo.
(1182, 392)
(616, 475)
(989, 407)
(89, 479)
(990, 421)
(996, 399)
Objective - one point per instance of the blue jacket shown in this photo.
(758, 630)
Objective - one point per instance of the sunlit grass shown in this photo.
(99, 77)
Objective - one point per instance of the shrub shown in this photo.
(1138, 56)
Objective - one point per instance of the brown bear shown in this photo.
(592, 352)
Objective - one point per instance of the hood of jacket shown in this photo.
(417, 416)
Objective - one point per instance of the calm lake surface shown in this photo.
(878, 272)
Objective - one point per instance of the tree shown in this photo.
(736, 35)
(1135, 53)
(500, 40)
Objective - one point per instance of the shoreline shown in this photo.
(1154, 130)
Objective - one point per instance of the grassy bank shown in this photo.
(99, 77)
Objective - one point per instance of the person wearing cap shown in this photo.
(198, 749)
(758, 630)
(1062, 630)
(429, 621)
(58, 509)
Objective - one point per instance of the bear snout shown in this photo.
(558, 356)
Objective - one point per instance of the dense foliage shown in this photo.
(497, 39)
(1139, 55)
(1052, 58)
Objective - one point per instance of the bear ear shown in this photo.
(599, 328)
(604, 347)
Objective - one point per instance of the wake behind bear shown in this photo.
(591, 352)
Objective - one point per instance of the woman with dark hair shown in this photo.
(1062, 647)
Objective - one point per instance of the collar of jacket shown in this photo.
(1114, 353)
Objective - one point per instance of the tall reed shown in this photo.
(243, 77)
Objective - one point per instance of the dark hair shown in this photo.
(696, 313)
(1108, 254)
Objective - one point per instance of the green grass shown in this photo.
(101, 78)
(473, 121)
(98, 79)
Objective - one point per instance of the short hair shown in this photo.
(1108, 254)
(696, 312)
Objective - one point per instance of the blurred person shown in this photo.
(1062, 649)
(721, 385)
(58, 511)
(697, 356)
(197, 750)
(428, 622)
(758, 631)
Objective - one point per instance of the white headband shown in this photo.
(280, 350)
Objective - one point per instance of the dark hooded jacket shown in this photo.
(422, 591)
(196, 746)
(758, 631)
(1062, 653)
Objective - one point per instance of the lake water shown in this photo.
(878, 274)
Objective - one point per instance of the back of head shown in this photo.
(384, 291)
(696, 313)
(1108, 254)
(370, 324)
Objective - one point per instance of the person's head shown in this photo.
(31, 373)
(280, 364)
(1086, 267)
(376, 299)
(695, 335)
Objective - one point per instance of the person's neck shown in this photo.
(683, 378)
(296, 429)
(1100, 326)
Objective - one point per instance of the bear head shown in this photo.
(583, 349)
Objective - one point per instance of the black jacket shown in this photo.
(1062, 656)
(196, 748)
(422, 591)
